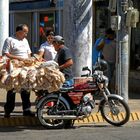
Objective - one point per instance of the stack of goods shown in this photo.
(30, 75)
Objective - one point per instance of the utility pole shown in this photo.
(118, 23)
(4, 22)
(78, 32)
(123, 49)
(129, 17)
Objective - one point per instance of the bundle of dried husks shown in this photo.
(30, 75)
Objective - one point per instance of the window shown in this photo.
(46, 23)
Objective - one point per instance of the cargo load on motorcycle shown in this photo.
(30, 75)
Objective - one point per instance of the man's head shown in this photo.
(110, 34)
(21, 31)
(58, 42)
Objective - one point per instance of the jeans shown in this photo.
(110, 71)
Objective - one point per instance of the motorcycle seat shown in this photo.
(66, 89)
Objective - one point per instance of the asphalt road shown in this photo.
(130, 131)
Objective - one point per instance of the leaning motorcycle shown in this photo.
(60, 109)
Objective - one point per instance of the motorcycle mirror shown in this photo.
(85, 68)
(85, 75)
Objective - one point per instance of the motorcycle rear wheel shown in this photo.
(116, 111)
(46, 108)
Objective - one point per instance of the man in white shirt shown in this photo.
(17, 47)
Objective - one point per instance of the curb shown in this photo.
(33, 121)
(97, 118)
(19, 121)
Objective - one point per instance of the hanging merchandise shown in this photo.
(132, 18)
(112, 5)
(115, 22)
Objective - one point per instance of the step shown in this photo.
(18, 120)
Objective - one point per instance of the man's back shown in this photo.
(63, 55)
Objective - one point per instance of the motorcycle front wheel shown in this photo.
(115, 111)
(48, 107)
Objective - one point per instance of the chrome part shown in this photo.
(87, 109)
(61, 117)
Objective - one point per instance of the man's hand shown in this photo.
(66, 64)
(14, 57)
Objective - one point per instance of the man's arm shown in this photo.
(14, 57)
(41, 54)
(68, 63)
(99, 44)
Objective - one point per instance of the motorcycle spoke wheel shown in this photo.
(115, 111)
(47, 108)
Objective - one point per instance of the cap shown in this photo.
(59, 38)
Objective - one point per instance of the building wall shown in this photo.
(134, 76)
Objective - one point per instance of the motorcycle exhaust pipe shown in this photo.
(62, 117)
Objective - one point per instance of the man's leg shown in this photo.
(26, 104)
(10, 103)
(111, 69)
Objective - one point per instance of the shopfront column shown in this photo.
(4, 22)
(78, 32)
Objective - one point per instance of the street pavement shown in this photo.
(17, 119)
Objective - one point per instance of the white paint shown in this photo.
(4, 22)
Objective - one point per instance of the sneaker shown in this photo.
(28, 113)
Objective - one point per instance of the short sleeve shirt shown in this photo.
(16, 47)
(62, 56)
(49, 51)
(109, 51)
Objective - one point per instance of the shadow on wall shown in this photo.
(134, 95)
(134, 85)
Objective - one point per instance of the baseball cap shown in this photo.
(58, 38)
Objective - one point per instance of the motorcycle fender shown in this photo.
(109, 96)
(52, 96)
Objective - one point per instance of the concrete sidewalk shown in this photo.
(17, 119)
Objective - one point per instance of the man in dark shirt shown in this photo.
(64, 59)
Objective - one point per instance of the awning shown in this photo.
(29, 5)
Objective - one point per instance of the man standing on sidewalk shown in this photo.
(108, 50)
(17, 47)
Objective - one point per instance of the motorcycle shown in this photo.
(60, 109)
